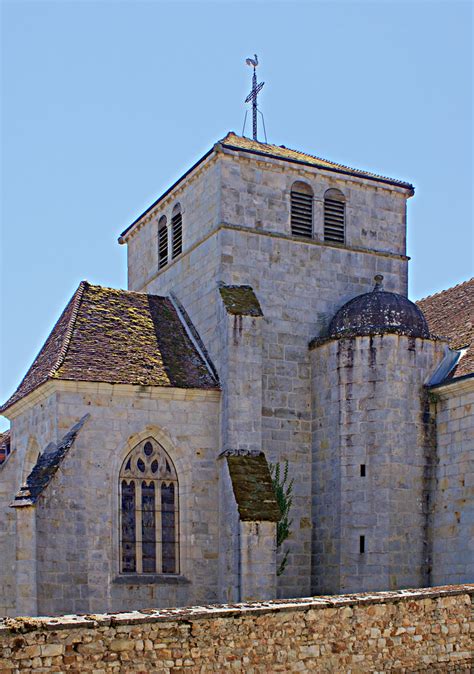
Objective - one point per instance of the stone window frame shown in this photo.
(165, 219)
(174, 224)
(336, 195)
(138, 575)
(163, 226)
(307, 190)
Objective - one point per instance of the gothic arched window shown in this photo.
(301, 198)
(162, 242)
(176, 231)
(148, 511)
(334, 216)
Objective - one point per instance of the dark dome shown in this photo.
(378, 312)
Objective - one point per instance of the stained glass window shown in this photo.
(148, 511)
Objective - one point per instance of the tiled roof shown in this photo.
(232, 141)
(450, 313)
(46, 466)
(253, 487)
(4, 446)
(118, 337)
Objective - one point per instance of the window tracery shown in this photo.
(148, 486)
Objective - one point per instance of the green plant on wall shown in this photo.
(283, 491)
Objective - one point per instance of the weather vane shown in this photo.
(256, 88)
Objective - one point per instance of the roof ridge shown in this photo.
(441, 292)
(70, 329)
(124, 290)
(330, 162)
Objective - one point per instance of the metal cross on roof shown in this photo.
(256, 88)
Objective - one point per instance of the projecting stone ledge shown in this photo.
(252, 486)
(240, 301)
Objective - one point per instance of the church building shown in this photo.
(266, 323)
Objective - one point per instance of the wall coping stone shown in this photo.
(187, 614)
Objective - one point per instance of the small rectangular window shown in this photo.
(362, 545)
(362, 469)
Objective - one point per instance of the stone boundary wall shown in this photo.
(427, 630)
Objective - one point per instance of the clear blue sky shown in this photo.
(106, 103)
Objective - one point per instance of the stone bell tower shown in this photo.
(371, 446)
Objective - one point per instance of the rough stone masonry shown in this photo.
(427, 630)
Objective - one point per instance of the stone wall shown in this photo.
(256, 193)
(198, 197)
(299, 283)
(33, 429)
(74, 556)
(453, 503)
(411, 631)
(371, 452)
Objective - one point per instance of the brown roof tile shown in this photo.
(4, 445)
(119, 337)
(450, 313)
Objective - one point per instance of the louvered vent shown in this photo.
(177, 229)
(334, 216)
(162, 244)
(301, 214)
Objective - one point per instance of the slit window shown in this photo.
(362, 544)
(176, 232)
(334, 216)
(148, 511)
(301, 197)
(362, 469)
(162, 242)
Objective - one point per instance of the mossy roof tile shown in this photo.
(117, 337)
(240, 300)
(5, 441)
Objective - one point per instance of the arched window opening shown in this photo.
(177, 231)
(148, 511)
(162, 242)
(301, 210)
(334, 216)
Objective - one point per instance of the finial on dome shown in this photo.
(378, 278)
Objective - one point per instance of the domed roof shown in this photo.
(379, 312)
